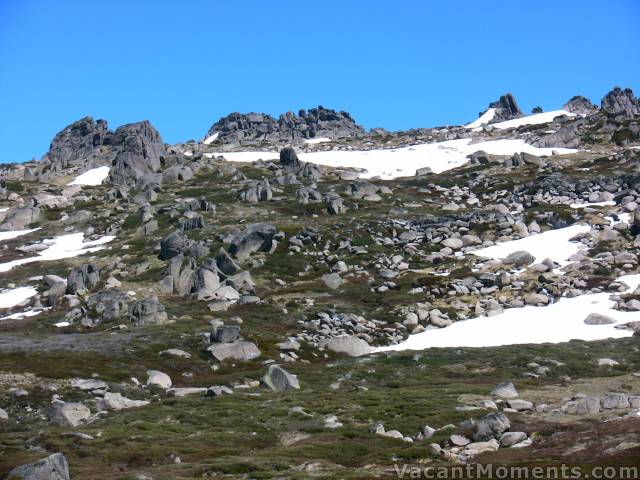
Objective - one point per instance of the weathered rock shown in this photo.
(54, 467)
(83, 279)
(226, 334)
(277, 378)
(68, 414)
(621, 102)
(159, 379)
(20, 218)
(241, 350)
(347, 344)
(173, 244)
(257, 237)
(138, 158)
(490, 426)
(511, 438)
(115, 401)
(598, 319)
(580, 106)
(505, 390)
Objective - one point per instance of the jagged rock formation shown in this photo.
(140, 148)
(254, 128)
(77, 142)
(506, 108)
(580, 106)
(621, 102)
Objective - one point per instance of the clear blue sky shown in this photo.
(396, 64)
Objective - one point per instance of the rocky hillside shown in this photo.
(296, 297)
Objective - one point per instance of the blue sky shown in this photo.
(397, 65)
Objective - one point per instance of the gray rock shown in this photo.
(332, 280)
(83, 279)
(520, 405)
(20, 218)
(277, 378)
(505, 390)
(580, 106)
(226, 334)
(511, 438)
(583, 406)
(506, 108)
(347, 344)
(621, 102)
(137, 160)
(519, 259)
(68, 414)
(598, 319)
(115, 401)
(173, 244)
(159, 379)
(490, 426)
(615, 401)
(54, 467)
(147, 312)
(242, 351)
(257, 237)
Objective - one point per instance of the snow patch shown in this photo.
(536, 119)
(559, 322)
(15, 233)
(313, 141)
(64, 246)
(13, 297)
(211, 138)
(609, 203)
(92, 177)
(554, 244)
(388, 164)
(485, 118)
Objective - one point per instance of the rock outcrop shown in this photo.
(621, 102)
(580, 106)
(254, 128)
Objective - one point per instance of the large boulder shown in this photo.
(19, 218)
(68, 414)
(53, 467)
(83, 279)
(347, 344)
(580, 106)
(173, 244)
(138, 157)
(277, 378)
(257, 237)
(289, 159)
(490, 426)
(147, 312)
(506, 108)
(242, 351)
(621, 102)
(78, 142)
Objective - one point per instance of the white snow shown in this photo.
(13, 297)
(608, 203)
(2, 210)
(486, 117)
(403, 162)
(313, 141)
(536, 119)
(559, 322)
(64, 246)
(15, 233)
(554, 244)
(211, 138)
(21, 315)
(92, 177)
